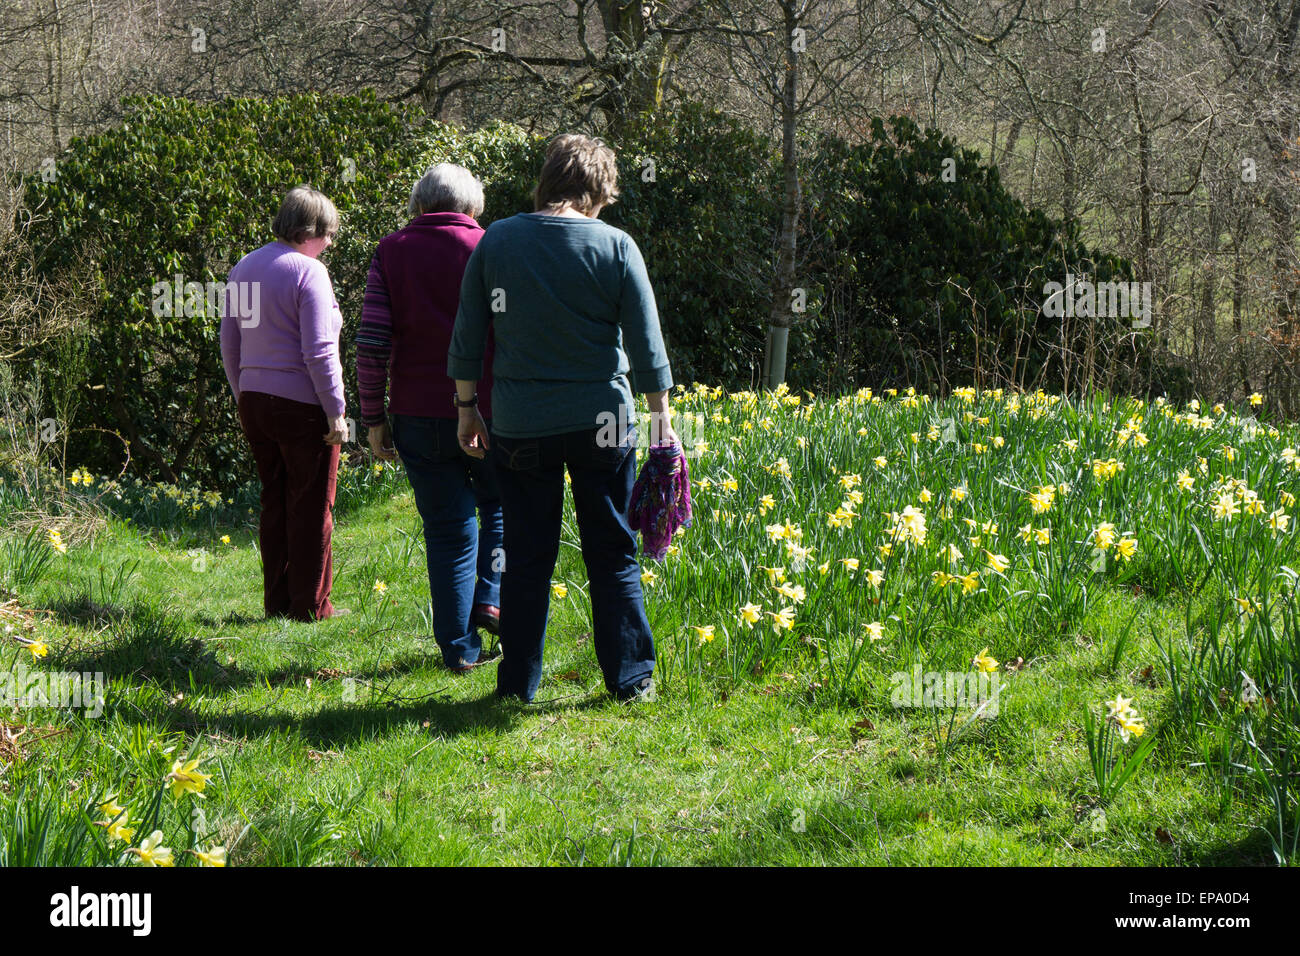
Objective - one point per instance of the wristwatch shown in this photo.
(455, 400)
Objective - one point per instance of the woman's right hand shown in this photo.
(661, 430)
(661, 420)
(381, 442)
(472, 433)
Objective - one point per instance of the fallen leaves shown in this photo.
(12, 750)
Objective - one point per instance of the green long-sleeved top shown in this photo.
(574, 318)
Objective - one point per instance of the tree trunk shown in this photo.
(639, 63)
(778, 332)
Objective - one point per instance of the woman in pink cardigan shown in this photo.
(282, 362)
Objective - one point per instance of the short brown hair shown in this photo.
(579, 171)
(305, 214)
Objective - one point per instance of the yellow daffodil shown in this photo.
(1278, 520)
(1104, 470)
(1104, 536)
(152, 853)
(1121, 711)
(1119, 705)
(117, 828)
(984, 663)
(1225, 506)
(186, 778)
(1040, 502)
(784, 620)
(214, 857)
(792, 592)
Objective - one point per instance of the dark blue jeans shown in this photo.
(464, 559)
(530, 473)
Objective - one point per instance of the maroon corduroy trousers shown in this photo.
(298, 471)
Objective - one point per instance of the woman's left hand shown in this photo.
(472, 433)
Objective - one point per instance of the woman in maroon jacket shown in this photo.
(412, 295)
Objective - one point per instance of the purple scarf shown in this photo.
(661, 499)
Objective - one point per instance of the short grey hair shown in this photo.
(447, 187)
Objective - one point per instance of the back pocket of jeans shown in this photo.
(416, 438)
(517, 454)
(611, 456)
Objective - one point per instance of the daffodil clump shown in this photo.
(889, 520)
(122, 823)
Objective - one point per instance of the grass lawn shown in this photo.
(348, 742)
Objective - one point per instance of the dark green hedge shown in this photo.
(187, 188)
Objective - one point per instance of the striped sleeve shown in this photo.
(374, 346)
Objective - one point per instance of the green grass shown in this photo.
(347, 742)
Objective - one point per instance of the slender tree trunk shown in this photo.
(778, 331)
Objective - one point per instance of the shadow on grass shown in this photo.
(232, 619)
(82, 610)
(139, 642)
(347, 723)
(1253, 849)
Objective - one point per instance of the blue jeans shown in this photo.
(530, 474)
(464, 559)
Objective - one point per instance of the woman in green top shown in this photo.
(576, 331)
